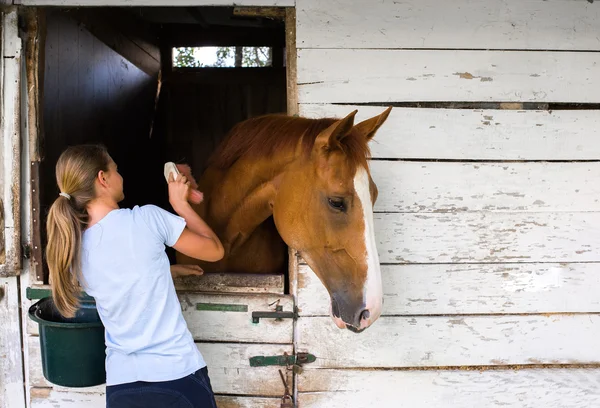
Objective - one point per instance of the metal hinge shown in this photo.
(282, 360)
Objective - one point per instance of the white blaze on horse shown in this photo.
(278, 181)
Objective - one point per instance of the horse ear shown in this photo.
(369, 127)
(337, 131)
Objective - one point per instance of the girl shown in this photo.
(118, 257)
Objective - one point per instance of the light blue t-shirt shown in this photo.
(126, 269)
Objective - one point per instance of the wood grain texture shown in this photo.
(447, 289)
(351, 76)
(234, 326)
(10, 141)
(50, 398)
(152, 3)
(483, 237)
(458, 187)
(453, 341)
(463, 24)
(228, 367)
(525, 388)
(11, 360)
(231, 283)
(481, 134)
(228, 326)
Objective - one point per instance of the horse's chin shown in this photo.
(338, 322)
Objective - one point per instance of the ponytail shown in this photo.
(76, 172)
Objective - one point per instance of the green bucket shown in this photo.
(73, 350)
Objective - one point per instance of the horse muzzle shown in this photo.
(354, 318)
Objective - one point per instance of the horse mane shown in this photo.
(264, 136)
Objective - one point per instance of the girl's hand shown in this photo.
(178, 191)
(185, 270)
(194, 196)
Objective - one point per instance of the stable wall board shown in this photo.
(152, 3)
(454, 186)
(231, 283)
(479, 134)
(228, 367)
(445, 341)
(443, 289)
(483, 237)
(50, 398)
(352, 76)
(462, 24)
(11, 360)
(523, 388)
(214, 323)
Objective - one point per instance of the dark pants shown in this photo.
(192, 391)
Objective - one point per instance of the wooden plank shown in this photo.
(452, 187)
(50, 398)
(452, 341)
(10, 157)
(487, 237)
(443, 289)
(115, 39)
(230, 372)
(247, 402)
(166, 3)
(351, 76)
(228, 368)
(463, 24)
(231, 283)
(525, 388)
(482, 134)
(291, 59)
(12, 392)
(229, 318)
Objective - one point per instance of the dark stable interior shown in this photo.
(101, 70)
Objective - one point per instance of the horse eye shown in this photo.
(337, 204)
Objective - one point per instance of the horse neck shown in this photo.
(239, 181)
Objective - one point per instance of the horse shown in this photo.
(279, 181)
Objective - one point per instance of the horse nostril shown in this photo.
(365, 315)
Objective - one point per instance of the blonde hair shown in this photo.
(76, 172)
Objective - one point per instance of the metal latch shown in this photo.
(284, 360)
(278, 315)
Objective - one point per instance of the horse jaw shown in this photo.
(373, 293)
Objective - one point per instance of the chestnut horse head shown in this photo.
(312, 176)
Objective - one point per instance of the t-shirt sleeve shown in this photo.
(165, 225)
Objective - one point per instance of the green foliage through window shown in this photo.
(222, 57)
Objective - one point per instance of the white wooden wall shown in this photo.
(488, 220)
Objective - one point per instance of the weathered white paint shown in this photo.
(12, 392)
(231, 283)
(445, 289)
(237, 326)
(228, 367)
(506, 187)
(229, 326)
(351, 76)
(372, 289)
(524, 388)
(484, 237)
(481, 134)
(50, 398)
(10, 160)
(153, 3)
(462, 24)
(453, 341)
